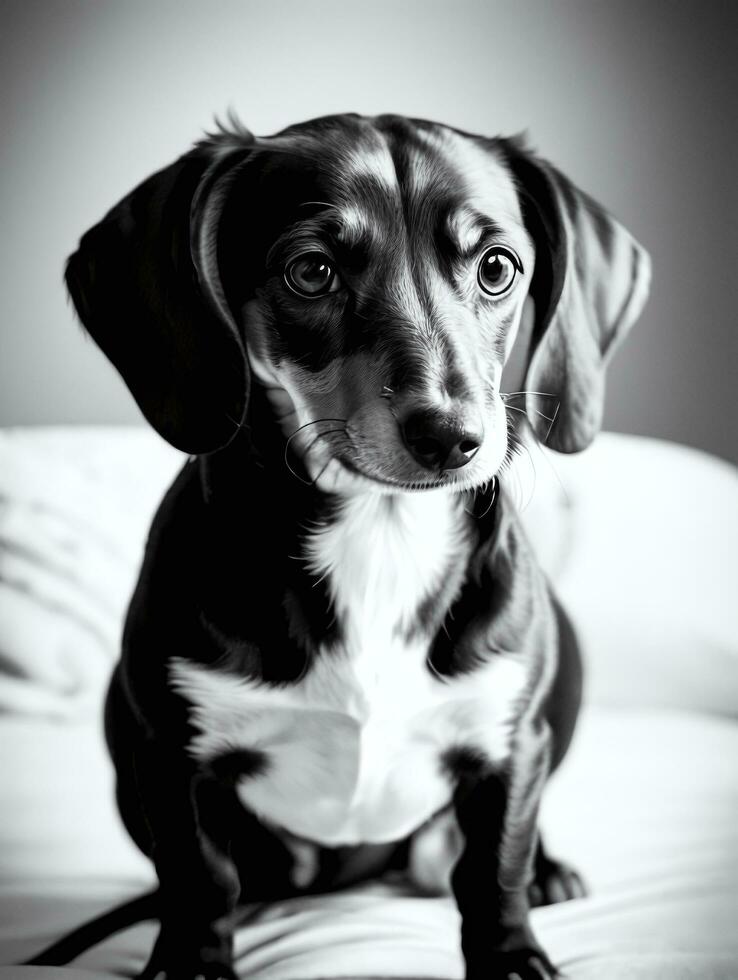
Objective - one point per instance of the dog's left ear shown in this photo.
(589, 286)
(146, 285)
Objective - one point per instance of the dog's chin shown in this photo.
(345, 476)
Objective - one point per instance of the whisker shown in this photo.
(296, 432)
(320, 435)
(328, 463)
(323, 204)
(548, 433)
(512, 394)
(312, 422)
(540, 414)
(493, 497)
(517, 450)
(308, 483)
(521, 447)
(520, 451)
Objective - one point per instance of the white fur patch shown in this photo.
(355, 223)
(382, 556)
(354, 749)
(488, 183)
(463, 226)
(372, 161)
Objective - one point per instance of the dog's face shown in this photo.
(386, 299)
(371, 274)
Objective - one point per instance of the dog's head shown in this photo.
(371, 274)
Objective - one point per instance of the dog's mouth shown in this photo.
(330, 461)
(333, 461)
(394, 483)
(360, 477)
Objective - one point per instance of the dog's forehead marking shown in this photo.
(353, 164)
(371, 158)
(480, 176)
(355, 223)
(422, 165)
(465, 227)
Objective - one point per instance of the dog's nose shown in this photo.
(438, 442)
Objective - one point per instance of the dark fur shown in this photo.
(159, 284)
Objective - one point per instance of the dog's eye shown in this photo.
(498, 269)
(311, 274)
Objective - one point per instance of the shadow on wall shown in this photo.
(633, 101)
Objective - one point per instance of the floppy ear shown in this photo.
(589, 285)
(145, 284)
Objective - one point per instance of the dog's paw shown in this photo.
(524, 964)
(193, 971)
(176, 963)
(555, 882)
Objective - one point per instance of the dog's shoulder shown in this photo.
(505, 603)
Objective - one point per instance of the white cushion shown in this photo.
(639, 538)
(75, 505)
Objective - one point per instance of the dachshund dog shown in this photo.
(340, 639)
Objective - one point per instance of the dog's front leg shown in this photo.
(498, 816)
(189, 818)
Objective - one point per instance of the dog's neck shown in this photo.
(381, 555)
(383, 558)
(385, 567)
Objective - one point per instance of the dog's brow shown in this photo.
(352, 227)
(349, 227)
(467, 228)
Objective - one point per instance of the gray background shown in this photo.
(635, 101)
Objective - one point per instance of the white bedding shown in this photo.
(641, 539)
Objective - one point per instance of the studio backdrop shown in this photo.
(634, 101)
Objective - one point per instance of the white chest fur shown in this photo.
(355, 748)
(382, 557)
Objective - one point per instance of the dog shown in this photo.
(340, 640)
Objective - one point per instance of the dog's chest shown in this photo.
(355, 751)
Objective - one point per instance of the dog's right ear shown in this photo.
(589, 285)
(145, 284)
